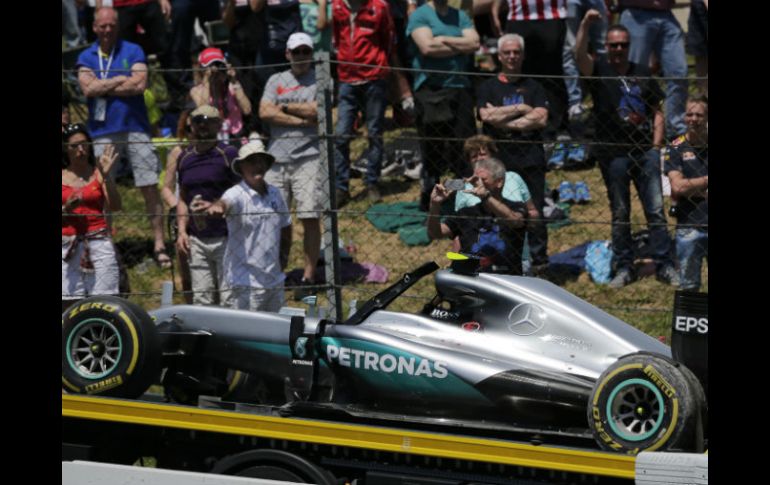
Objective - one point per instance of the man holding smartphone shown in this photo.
(492, 229)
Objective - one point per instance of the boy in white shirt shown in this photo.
(259, 234)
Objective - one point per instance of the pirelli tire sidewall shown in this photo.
(700, 397)
(665, 386)
(130, 337)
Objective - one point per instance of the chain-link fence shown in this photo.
(353, 191)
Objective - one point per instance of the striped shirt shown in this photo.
(537, 9)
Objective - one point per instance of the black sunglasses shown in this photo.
(73, 128)
(621, 45)
(200, 119)
(303, 51)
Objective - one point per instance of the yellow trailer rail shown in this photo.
(374, 438)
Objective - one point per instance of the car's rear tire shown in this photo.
(645, 402)
(110, 347)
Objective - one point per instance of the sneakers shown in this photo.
(576, 112)
(343, 197)
(622, 278)
(303, 290)
(358, 168)
(668, 275)
(393, 168)
(558, 156)
(576, 153)
(566, 192)
(413, 169)
(582, 196)
(373, 193)
(577, 192)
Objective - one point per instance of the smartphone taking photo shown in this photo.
(454, 184)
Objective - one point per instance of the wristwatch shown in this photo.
(284, 108)
(485, 197)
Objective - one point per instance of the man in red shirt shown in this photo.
(363, 33)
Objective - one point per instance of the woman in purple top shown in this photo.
(203, 174)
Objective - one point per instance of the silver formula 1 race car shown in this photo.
(489, 351)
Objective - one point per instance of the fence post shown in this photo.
(330, 242)
(167, 293)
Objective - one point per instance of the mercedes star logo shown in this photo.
(300, 347)
(526, 319)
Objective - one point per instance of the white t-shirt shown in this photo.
(254, 223)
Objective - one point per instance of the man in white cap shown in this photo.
(289, 107)
(259, 226)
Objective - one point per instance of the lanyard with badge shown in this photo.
(100, 111)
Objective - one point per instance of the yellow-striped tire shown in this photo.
(110, 347)
(645, 402)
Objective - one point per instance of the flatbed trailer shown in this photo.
(316, 451)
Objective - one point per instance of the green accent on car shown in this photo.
(279, 350)
(447, 387)
(76, 331)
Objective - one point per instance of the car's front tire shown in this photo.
(645, 402)
(110, 347)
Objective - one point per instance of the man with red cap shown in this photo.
(220, 88)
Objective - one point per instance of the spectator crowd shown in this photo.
(574, 79)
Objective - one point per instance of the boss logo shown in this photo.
(444, 314)
(690, 324)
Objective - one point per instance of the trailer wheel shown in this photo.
(275, 465)
(110, 347)
(645, 402)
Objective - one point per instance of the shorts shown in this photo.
(301, 182)
(103, 280)
(254, 299)
(140, 152)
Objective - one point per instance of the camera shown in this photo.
(455, 184)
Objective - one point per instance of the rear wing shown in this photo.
(690, 333)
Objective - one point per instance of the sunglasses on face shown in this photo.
(618, 45)
(302, 51)
(75, 146)
(201, 119)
